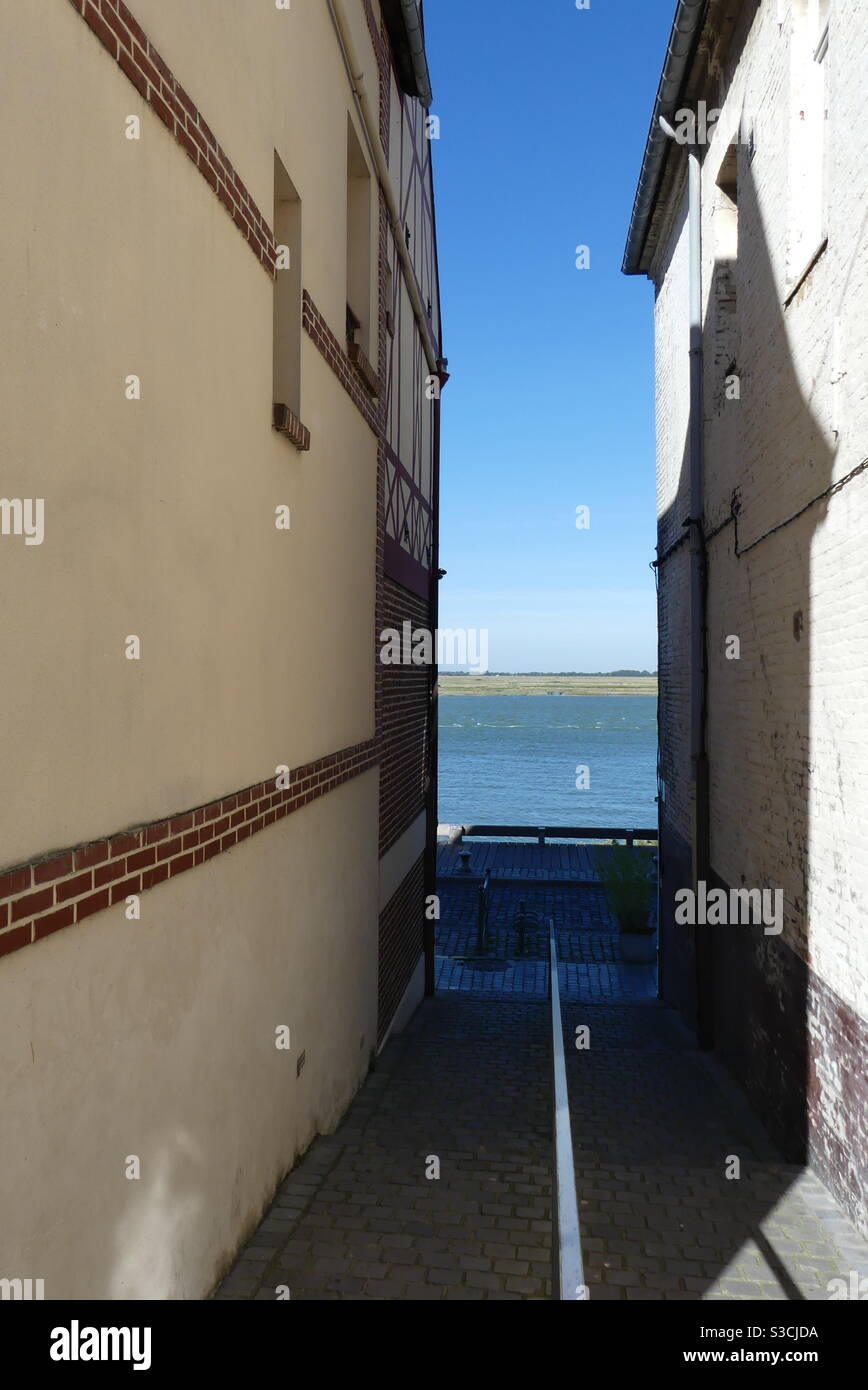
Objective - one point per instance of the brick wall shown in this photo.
(336, 355)
(401, 927)
(785, 501)
(404, 694)
(677, 950)
(64, 888)
(123, 37)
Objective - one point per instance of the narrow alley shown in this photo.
(655, 1125)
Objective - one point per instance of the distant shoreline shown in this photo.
(548, 685)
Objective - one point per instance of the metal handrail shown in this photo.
(568, 1278)
(455, 834)
(482, 912)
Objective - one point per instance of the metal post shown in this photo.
(698, 621)
(700, 836)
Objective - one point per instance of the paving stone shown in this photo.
(331, 1266)
(523, 1285)
(625, 1278)
(534, 1252)
(440, 1260)
(384, 1288)
(241, 1283)
(369, 1270)
(397, 1241)
(468, 1080)
(346, 1284)
(476, 1279)
(407, 1274)
(466, 1247)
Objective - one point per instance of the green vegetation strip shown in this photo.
(548, 685)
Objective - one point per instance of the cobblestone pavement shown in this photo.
(468, 1083)
(587, 937)
(654, 1127)
(577, 910)
(529, 979)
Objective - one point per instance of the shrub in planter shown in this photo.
(624, 874)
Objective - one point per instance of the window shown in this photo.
(390, 301)
(726, 207)
(353, 326)
(725, 338)
(359, 271)
(808, 140)
(287, 307)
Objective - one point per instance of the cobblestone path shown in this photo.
(468, 1084)
(587, 936)
(655, 1125)
(358, 1218)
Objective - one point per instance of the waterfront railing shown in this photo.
(455, 834)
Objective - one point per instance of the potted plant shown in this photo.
(624, 872)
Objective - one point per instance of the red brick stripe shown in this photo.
(39, 898)
(125, 40)
(382, 53)
(318, 330)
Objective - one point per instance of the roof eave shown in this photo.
(683, 39)
(407, 36)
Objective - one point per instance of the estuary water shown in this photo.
(514, 759)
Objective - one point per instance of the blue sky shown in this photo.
(544, 111)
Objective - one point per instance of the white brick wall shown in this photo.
(788, 722)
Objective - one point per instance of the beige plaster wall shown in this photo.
(159, 513)
(156, 1038)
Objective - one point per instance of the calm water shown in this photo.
(513, 759)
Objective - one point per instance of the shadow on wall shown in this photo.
(790, 1042)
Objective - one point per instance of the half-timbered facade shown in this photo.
(414, 372)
